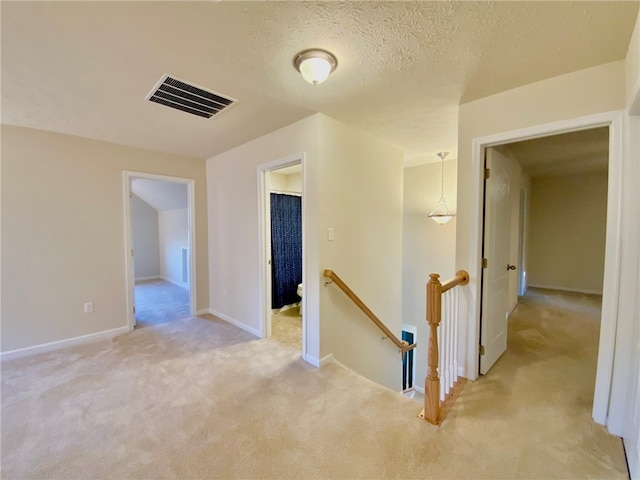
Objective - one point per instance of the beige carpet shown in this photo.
(286, 327)
(198, 398)
(159, 301)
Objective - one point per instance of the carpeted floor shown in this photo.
(286, 327)
(199, 398)
(159, 301)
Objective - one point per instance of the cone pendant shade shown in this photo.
(441, 214)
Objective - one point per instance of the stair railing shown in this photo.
(402, 345)
(441, 393)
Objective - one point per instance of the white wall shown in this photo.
(173, 228)
(234, 242)
(63, 233)
(426, 246)
(293, 182)
(285, 183)
(568, 219)
(360, 186)
(144, 219)
(353, 183)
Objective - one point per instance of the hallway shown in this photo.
(543, 386)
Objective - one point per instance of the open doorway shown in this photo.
(160, 260)
(283, 231)
(549, 261)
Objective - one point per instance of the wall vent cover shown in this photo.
(178, 94)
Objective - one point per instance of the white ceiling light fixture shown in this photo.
(441, 214)
(315, 65)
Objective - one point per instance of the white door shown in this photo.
(495, 278)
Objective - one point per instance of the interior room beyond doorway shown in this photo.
(287, 289)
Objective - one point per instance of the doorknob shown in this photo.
(511, 267)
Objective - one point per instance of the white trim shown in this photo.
(154, 277)
(204, 311)
(264, 254)
(419, 389)
(279, 192)
(235, 323)
(513, 307)
(567, 289)
(327, 359)
(612, 250)
(68, 342)
(127, 177)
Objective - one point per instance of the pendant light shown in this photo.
(441, 214)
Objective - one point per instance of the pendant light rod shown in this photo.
(442, 156)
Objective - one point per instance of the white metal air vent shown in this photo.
(178, 94)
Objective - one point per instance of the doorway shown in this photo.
(556, 321)
(282, 225)
(160, 255)
(613, 120)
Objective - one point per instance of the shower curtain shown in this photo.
(286, 249)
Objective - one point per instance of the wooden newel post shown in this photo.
(432, 381)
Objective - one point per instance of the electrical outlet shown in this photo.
(88, 307)
(330, 234)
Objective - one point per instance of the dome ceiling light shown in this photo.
(315, 65)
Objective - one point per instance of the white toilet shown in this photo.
(299, 291)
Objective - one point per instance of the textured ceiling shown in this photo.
(84, 68)
(585, 151)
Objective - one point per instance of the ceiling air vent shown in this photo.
(180, 95)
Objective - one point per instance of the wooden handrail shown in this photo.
(401, 344)
(461, 278)
(432, 411)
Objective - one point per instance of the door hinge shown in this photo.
(487, 173)
(134, 310)
(132, 252)
(481, 349)
(485, 263)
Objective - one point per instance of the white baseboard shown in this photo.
(154, 277)
(327, 359)
(204, 311)
(462, 372)
(418, 389)
(236, 323)
(513, 307)
(566, 289)
(69, 342)
(318, 362)
(182, 285)
(312, 360)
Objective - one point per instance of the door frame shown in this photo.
(522, 244)
(264, 225)
(130, 282)
(615, 121)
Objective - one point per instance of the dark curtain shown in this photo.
(286, 249)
